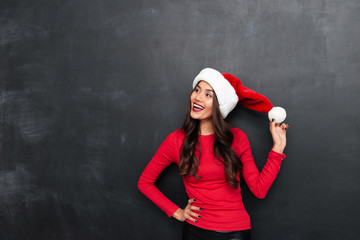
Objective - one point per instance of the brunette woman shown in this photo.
(211, 154)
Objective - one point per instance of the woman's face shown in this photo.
(202, 101)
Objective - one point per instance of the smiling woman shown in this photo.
(202, 103)
(211, 155)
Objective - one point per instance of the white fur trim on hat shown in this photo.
(225, 93)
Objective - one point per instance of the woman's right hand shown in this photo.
(187, 213)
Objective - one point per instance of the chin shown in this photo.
(193, 117)
(198, 117)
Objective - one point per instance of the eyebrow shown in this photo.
(206, 89)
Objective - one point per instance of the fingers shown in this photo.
(190, 218)
(284, 126)
(272, 123)
(190, 214)
(196, 208)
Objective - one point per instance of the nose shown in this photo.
(198, 97)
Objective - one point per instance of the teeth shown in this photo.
(195, 105)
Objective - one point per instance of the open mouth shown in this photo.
(197, 107)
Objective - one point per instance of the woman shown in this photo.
(211, 155)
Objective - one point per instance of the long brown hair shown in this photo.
(189, 161)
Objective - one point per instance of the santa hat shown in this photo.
(229, 91)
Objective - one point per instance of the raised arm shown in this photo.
(258, 183)
(164, 156)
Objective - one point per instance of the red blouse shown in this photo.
(222, 205)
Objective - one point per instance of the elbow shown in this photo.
(140, 184)
(260, 195)
(144, 185)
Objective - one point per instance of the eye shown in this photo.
(196, 90)
(209, 95)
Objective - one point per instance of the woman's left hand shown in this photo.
(278, 133)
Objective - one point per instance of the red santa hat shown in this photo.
(229, 91)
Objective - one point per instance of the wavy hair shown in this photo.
(189, 161)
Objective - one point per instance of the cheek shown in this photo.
(209, 103)
(209, 106)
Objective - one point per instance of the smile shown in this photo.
(197, 108)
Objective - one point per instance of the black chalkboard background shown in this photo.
(90, 89)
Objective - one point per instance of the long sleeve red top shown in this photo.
(222, 205)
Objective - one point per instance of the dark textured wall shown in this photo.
(90, 89)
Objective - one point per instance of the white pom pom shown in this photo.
(278, 114)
